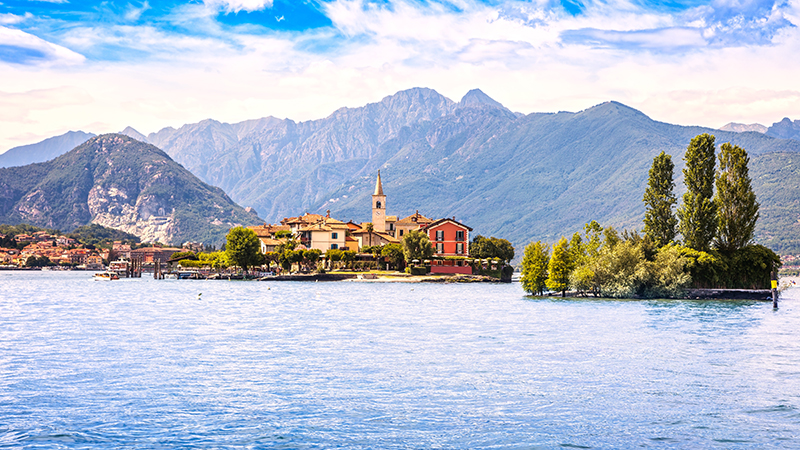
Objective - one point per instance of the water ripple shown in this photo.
(141, 363)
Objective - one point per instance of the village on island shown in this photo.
(309, 245)
(704, 249)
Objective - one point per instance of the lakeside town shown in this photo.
(308, 243)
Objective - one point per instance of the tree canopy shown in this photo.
(698, 214)
(495, 248)
(416, 245)
(243, 247)
(559, 267)
(660, 222)
(737, 208)
(534, 267)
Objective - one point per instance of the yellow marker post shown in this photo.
(774, 278)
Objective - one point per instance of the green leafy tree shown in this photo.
(334, 256)
(660, 222)
(698, 214)
(559, 267)
(534, 267)
(311, 256)
(395, 254)
(491, 248)
(594, 238)
(180, 256)
(348, 257)
(737, 208)
(297, 257)
(243, 247)
(285, 260)
(416, 245)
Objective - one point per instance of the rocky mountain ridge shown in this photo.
(118, 182)
(523, 177)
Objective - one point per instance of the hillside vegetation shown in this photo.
(118, 182)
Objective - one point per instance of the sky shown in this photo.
(101, 66)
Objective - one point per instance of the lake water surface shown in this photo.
(155, 364)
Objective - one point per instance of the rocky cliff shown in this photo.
(118, 182)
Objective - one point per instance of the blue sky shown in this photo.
(101, 66)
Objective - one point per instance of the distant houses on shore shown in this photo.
(449, 238)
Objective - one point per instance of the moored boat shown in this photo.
(106, 276)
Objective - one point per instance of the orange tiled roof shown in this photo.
(415, 218)
(441, 221)
(304, 219)
(266, 230)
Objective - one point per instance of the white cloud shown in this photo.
(133, 13)
(234, 6)
(30, 49)
(10, 19)
(517, 53)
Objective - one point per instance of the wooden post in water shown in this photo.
(774, 282)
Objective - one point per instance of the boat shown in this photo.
(106, 276)
(170, 276)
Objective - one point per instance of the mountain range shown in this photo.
(118, 182)
(521, 177)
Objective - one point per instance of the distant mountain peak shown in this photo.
(785, 129)
(131, 132)
(741, 127)
(45, 150)
(478, 97)
(614, 107)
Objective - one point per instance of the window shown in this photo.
(334, 235)
(439, 248)
(391, 226)
(459, 247)
(378, 205)
(439, 235)
(334, 246)
(401, 232)
(460, 235)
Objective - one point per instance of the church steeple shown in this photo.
(378, 185)
(379, 207)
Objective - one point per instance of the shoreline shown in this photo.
(383, 278)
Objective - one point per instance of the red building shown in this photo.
(449, 238)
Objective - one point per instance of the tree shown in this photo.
(534, 267)
(494, 248)
(698, 214)
(370, 229)
(416, 245)
(660, 222)
(243, 247)
(395, 254)
(559, 267)
(297, 257)
(737, 208)
(311, 256)
(348, 256)
(334, 256)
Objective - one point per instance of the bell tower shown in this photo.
(379, 207)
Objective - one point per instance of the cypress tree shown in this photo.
(659, 221)
(735, 200)
(698, 214)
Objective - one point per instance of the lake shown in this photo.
(217, 364)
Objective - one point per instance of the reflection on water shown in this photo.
(143, 363)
